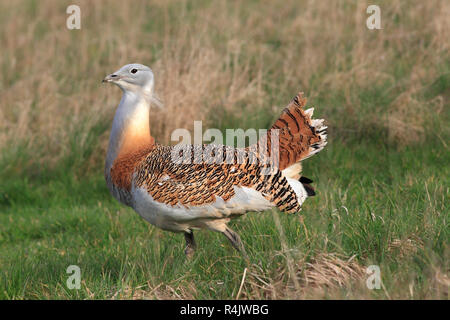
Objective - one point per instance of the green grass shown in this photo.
(368, 195)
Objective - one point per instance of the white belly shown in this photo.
(180, 218)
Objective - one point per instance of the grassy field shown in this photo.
(382, 181)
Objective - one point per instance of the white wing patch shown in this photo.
(299, 190)
(293, 171)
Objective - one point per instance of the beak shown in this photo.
(111, 78)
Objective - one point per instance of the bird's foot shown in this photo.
(189, 252)
(190, 245)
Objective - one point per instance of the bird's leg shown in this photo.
(235, 240)
(190, 244)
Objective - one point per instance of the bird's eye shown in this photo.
(133, 71)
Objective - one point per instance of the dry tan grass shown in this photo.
(441, 283)
(220, 56)
(157, 292)
(332, 271)
(405, 247)
(323, 275)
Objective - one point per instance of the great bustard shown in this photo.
(179, 196)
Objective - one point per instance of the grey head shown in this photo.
(134, 77)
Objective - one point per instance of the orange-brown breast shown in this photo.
(126, 163)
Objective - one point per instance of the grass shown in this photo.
(387, 217)
(382, 181)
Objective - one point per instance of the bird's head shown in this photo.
(133, 77)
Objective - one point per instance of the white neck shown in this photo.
(131, 127)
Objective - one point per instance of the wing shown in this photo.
(196, 183)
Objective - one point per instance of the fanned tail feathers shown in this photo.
(300, 136)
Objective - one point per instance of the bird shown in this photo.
(183, 196)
